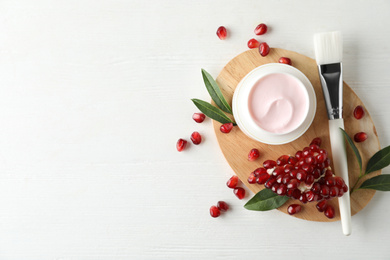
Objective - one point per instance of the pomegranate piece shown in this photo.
(222, 206)
(196, 138)
(226, 128)
(252, 178)
(329, 211)
(294, 208)
(222, 33)
(214, 211)
(198, 117)
(285, 60)
(358, 112)
(232, 182)
(307, 176)
(360, 137)
(264, 49)
(181, 144)
(261, 29)
(253, 154)
(239, 192)
(253, 43)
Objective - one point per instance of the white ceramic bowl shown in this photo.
(242, 114)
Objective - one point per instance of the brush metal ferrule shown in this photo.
(332, 88)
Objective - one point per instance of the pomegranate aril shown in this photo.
(262, 178)
(316, 187)
(222, 33)
(261, 29)
(181, 144)
(292, 160)
(222, 205)
(333, 191)
(286, 178)
(264, 49)
(309, 180)
(307, 168)
(358, 113)
(316, 141)
(301, 175)
(299, 155)
(214, 211)
(345, 188)
(310, 196)
(226, 128)
(196, 138)
(316, 173)
(326, 162)
(324, 191)
(293, 184)
(282, 160)
(252, 178)
(269, 164)
(282, 190)
(278, 171)
(271, 181)
(321, 205)
(198, 117)
(339, 181)
(341, 193)
(360, 137)
(306, 152)
(232, 182)
(296, 194)
(239, 192)
(303, 198)
(275, 187)
(253, 43)
(253, 154)
(293, 173)
(285, 60)
(259, 171)
(330, 181)
(328, 173)
(279, 178)
(320, 158)
(329, 211)
(288, 168)
(294, 208)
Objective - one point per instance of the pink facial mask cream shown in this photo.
(278, 103)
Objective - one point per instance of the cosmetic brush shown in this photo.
(329, 51)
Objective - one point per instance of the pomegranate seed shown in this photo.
(285, 60)
(282, 160)
(181, 144)
(196, 138)
(358, 113)
(286, 179)
(329, 211)
(296, 194)
(293, 209)
(301, 175)
(226, 128)
(360, 137)
(310, 196)
(279, 178)
(282, 190)
(334, 191)
(271, 181)
(259, 171)
(198, 117)
(321, 205)
(239, 192)
(309, 180)
(316, 141)
(261, 29)
(292, 160)
(222, 205)
(293, 184)
(303, 198)
(275, 187)
(232, 182)
(299, 155)
(214, 211)
(262, 178)
(222, 33)
(253, 43)
(252, 178)
(316, 187)
(253, 154)
(324, 191)
(278, 171)
(264, 49)
(269, 164)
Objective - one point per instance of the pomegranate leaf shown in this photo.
(265, 200)
(354, 149)
(211, 111)
(215, 92)
(379, 160)
(380, 182)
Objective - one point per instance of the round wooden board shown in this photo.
(236, 145)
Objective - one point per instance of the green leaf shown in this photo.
(380, 182)
(265, 200)
(354, 149)
(215, 92)
(211, 111)
(379, 160)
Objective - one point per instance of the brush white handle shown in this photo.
(341, 169)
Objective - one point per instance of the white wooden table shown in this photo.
(95, 95)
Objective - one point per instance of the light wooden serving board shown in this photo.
(236, 145)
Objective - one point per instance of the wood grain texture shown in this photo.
(236, 145)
